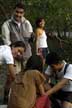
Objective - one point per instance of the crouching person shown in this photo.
(9, 54)
(28, 85)
(61, 73)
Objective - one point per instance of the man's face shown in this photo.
(55, 67)
(18, 53)
(18, 14)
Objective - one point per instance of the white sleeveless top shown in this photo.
(42, 41)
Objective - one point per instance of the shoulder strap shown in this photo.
(65, 68)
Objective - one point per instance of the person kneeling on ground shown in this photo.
(61, 72)
(28, 85)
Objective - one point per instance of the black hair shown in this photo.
(18, 44)
(53, 58)
(1, 41)
(38, 21)
(35, 62)
(19, 5)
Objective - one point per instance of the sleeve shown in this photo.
(68, 74)
(48, 71)
(6, 33)
(28, 26)
(8, 57)
(39, 78)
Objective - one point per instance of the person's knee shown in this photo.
(67, 104)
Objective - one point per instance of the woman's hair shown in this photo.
(38, 21)
(35, 62)
(1, 41)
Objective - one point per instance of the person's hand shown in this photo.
(47, 87)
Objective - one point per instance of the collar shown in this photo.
(22, 20)
(64, 62)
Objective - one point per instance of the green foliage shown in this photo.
(65, 51)
(57, 13)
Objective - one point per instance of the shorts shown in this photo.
(63, 96)
(43, 52)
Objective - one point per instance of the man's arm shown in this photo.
(57, 87)
(6, 33)
(28, 26)
(11, 71)
(8, 57)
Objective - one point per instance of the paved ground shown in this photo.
(3, 106)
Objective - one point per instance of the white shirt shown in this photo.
(42, 41)
(60, 75)
(6, 55)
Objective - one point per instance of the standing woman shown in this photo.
(41, 39)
